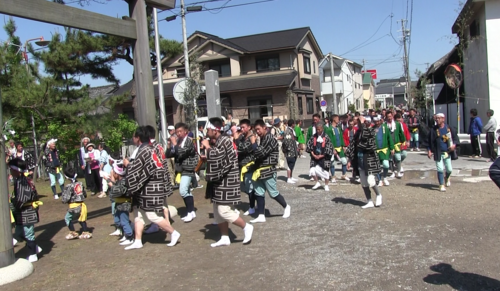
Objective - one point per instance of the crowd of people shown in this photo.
(237, 158)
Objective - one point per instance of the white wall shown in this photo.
(493, 49)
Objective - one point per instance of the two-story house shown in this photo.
(369, 90)
(258, 74)
(348, 83)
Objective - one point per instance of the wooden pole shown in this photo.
(6, 249)
(145, 100)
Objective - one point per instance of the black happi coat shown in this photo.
(289, 143)
(326, 150)
(23, 195)
(223, 179)
(266, 155)
(364, 141)
(147, 180)
(119, 190)
(185, 157)
(245, 149)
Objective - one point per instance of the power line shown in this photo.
(361, 44)
(220, 9)
(224, 6)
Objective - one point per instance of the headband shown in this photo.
(369, 119)
(118, 170)
(440, 115)
(211, 126)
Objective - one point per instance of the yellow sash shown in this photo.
(34, 204)
(12, 220)
(244, 170)
(256, 173)
(83, 212)
(178, 178)
(445, 155)
(338, 150)
(58, 170)
(384, 150)
(414, 130)
(397, 147)
(122, 200)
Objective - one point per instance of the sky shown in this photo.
(358, 30)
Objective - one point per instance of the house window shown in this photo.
(269, 63)
(260, 107)
(474, 29)
(299, 103)
(310, 105)
(307, 65)
(224, 69)
(181, 73)
(314, 67)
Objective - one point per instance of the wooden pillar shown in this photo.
(145, 111)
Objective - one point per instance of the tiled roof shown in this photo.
(270, 40)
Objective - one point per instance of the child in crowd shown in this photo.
(74, 195)
(24, 206)
(123, 203)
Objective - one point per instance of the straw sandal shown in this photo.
(72, 235)
(85, 235)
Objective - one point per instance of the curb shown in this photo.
(15, 272)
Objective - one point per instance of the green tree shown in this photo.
(120, 129)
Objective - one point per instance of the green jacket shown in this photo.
(300, 135)
(399, 135)
(309, 133)
(385, 143)
(333, 137)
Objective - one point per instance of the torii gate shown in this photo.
(133, 28)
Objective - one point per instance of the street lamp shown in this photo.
(42, 43)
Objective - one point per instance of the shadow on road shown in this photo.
(446, 275)
(211, 232)
(348, 201)
(425, 186)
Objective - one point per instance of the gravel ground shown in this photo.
(419, 239)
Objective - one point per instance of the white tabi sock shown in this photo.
(224, 241)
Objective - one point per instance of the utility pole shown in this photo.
(334, 95)
(159, 72)
(190, 83)
(406, 33)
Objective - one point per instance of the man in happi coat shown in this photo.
(362, 154)
(264, 177)
(385, 147)
(337, 139)
(321, 150)
(148, 185)
(398, 136)
(246, 142)
(223, 182)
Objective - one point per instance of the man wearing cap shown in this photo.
(398, 137)
(264, 176)
(335, 135)
(53, 166)
(223, 183)
(442, 143)
(385, 147)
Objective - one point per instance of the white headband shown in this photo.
(72, 179)
(369, 119)
(211, 126)
(51, 141)
(440, 115)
